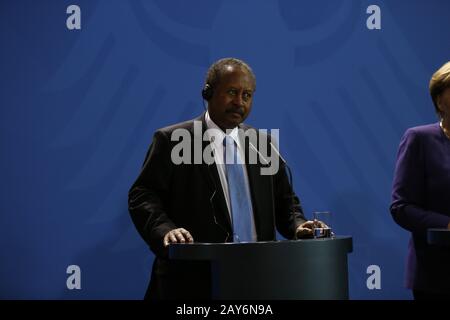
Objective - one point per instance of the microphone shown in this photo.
(291, 186)
(287, 166)
(288, 169)
(282, 159)
(293, 205)
(266, 162)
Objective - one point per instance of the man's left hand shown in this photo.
(306, 229)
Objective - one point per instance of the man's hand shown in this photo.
(306, 229)
(179, 235)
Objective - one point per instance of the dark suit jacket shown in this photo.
(420, 201)
(167, 196)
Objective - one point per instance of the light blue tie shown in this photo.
(240, 200)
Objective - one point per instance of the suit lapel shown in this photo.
(211, 175)
(260, 191)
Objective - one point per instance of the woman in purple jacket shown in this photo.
(421, 194)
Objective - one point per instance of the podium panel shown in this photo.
(288, 270)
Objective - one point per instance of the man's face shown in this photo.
(232, 98)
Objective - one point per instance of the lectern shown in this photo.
(288, 270)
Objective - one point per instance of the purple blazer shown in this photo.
(421, 200)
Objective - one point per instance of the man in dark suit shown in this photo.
(175, 201)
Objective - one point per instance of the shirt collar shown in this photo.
(220, 135)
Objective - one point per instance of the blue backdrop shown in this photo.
(79, 107)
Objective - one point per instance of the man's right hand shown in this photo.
(179, 235)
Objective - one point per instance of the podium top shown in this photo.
(440, 237)
(219, 251)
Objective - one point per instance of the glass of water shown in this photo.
(322, 224)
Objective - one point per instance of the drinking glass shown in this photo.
(323, 224)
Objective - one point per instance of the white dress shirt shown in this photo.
(217, 146)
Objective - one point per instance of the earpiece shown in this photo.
(207, 92)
